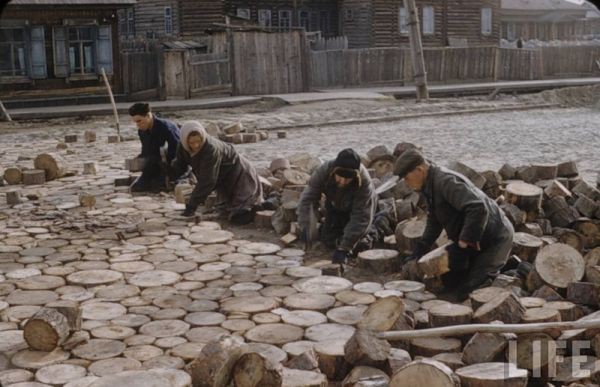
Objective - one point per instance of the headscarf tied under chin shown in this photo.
(187, 129)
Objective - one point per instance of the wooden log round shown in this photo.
(382, 314)
(526, 246)
(569, 237)
(331, 357)
(534, 352)
(435, 263)
(556, 188)
(13, 197)
(567, 169)
(90, 168)
(52, 164)
(558, 265)
(46, 330)
(484, 347)
(431, 346)
(492, 375)
(254, 370)
(424, 372)
(408, 233)
(526, 196)
(481, 296)
(276, 334)
(380, 261)
(216, 362)
(449, 314)
(34, 177)
(540, 315)
(13, 175)
(301, 378)
(60, 374)
(505, 307)
(366, 350)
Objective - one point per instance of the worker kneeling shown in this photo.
(350, 204)
(482, 234)
(217, 166)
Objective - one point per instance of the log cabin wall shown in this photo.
(156, 19)
(52, 83)
(313, 15)
(196, 16)
(382, 23)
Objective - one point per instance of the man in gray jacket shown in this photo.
(350, 203)
(482, 234)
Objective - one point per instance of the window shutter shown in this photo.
(38, 53)
(61, 61)
(104, 47)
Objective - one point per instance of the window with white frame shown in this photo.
(428, 20)
(486, 21)
(168, 20)
(285, 20)
(243, 13)
(13, 52)
(82, 49)
(264, 17)
(511, 31)
(403, 20)
(304, 20)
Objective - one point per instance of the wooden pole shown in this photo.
(459, 330)
(4, 116)
(112, 101)
(416, 51)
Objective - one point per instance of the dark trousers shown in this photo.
(152, 178)
(332, 230)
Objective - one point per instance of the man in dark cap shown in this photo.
(350, 203)
(482, 234)
(154, 133)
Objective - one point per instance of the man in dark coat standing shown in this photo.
(350, 203)
(154, 133)
(482, 234)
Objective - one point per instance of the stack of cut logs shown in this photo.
(236, 132)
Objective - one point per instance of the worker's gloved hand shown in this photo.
(339, 256)
(459, 258)
(189, 211)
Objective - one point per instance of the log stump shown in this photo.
(526, 246)
(380, 261)
(526, 196)
(34, 177)
(555, 189)
(13, 197)
(424, 372)
(408, 233)
(254, 370)
(444, 315)
(46, 330)
(558, 265)
(13, 175)
(89, 136)
(215, 364)
(583, 293)
(135, 165)
(382, 315)
(87, 200)
(366, 350)
(90, 168)
(113, 139)
(52, 164)
(332, 361)
(435, 263)
(484, 347)
(505, 307)
(70, 138)
(567, 169)
(492, 375)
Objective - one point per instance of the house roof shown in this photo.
(72, 2)
(546, 5)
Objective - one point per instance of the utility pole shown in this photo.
(416, 51)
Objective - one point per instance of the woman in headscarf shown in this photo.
(218, 166)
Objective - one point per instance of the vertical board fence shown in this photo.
(141, 73)
(270, 63)
(361, 67)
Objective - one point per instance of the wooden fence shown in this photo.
(361, 67)
(141, 74)
(270, 63)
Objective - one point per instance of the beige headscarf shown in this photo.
(188, 128)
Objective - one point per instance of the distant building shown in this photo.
(172, 18)
(548, 19)
(384, 23)
(59, 44)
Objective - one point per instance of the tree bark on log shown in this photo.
(34, 177)
(52, 164)
(254, 370)
(46, 330)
